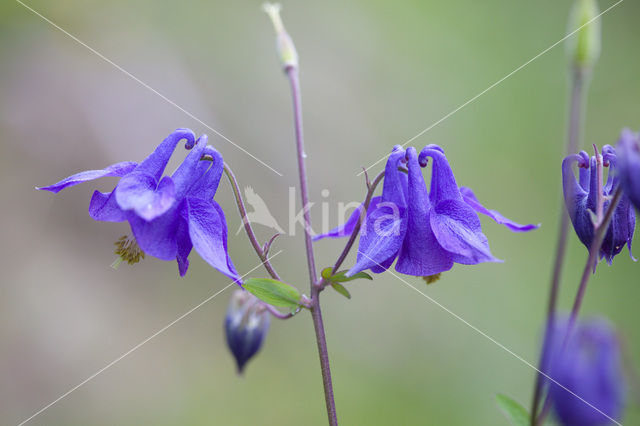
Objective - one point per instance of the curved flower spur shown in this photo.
(168, 215)
(427, 231)
(587, 198)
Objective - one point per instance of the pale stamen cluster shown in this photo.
(128, 250)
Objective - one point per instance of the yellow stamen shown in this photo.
(430, 279)
(128, 250)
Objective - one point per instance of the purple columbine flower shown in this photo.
(588, 364)
(582, 196)
(629, 165)
(246, 325)
(426, 231)
(168, 215)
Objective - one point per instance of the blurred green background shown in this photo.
(374, 73)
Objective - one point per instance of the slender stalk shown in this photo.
(325, 366)
(592, 260)
(267, 245)
(589, 266)
(262, 253)
(316, 312)
(576, 113)
(576, 109)
(292, 73)
(352, 238)
(276, 313)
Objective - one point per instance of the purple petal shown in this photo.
(208, 232)
(420, 255)
(443, 182)
(469, 197)
(381, 238)
(140, 193)
(613, 179)
(347, 228)
(157, 237)
(394, 189)
(573, 191)
(192, 168)
(620, 230)
(631, 228)
(457, 229)
(383, 266)
(575, 197)
(103, 207)
(118, 170)
(592, 195)
(629, 160)
(206, 186)
(155, 163)
(184, 246)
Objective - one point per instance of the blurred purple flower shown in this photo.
(629, 165)
(588, 364)
(246, 325)
(426, 232)
(581, 198)
(168, 215)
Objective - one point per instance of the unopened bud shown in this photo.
(246, 325)
(584, 46)
(286, 49)
(588, 361)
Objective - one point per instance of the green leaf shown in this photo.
(515, 412)
(340, 289)
(273, 292)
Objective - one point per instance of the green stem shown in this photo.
(576, 113)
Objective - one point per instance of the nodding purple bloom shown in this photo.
(588, 364)
(426, 231)
(246, 325)
(581, 198)
(168, 215)
(629, 165)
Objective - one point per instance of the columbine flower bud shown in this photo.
(629, 159)
(246, 326)
(584, 46)
(589, 365)
(286, 49)
(583, 195)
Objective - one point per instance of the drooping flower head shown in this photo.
(168, 215)
(587, 364)
(582, 196)
(629, 165)
(246, 325)
(426, 231)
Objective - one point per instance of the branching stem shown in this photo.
(262, 253)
